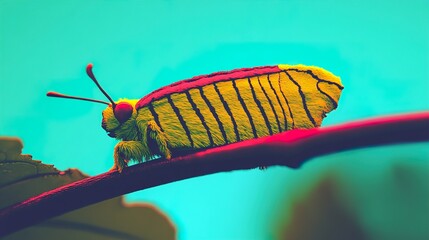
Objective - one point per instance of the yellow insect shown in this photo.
(217, 109)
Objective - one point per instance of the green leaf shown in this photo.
(22, 178)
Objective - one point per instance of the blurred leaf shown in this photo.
(21, 178)
(321, 215)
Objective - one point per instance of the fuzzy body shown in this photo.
(223, 108)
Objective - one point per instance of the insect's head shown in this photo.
(118, 118)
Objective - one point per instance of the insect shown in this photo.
(216, 109)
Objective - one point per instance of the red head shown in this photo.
(123, 111)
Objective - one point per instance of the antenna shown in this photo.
(91, 75)
(59, 95)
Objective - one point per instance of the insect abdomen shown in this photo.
(232, 110)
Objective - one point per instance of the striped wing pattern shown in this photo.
(252, 105)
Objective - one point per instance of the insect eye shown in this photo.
(123, 111)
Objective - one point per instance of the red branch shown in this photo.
(290, 149)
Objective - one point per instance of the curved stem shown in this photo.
(290, 149)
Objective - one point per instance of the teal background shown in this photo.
(380, 49)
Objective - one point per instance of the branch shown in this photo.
(290, 149)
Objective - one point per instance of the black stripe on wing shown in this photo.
(200, 116)
(304, 102)
(181, 120)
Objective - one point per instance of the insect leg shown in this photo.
(158, 136)
(125, 151)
